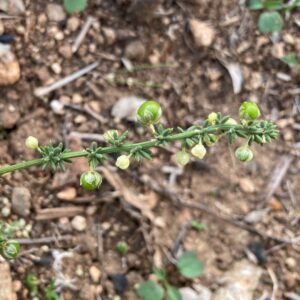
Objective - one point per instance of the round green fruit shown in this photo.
(249, 111)
(90, 180)
(149, 113)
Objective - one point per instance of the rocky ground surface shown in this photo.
(194, 57)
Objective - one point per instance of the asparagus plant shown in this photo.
(194, 140)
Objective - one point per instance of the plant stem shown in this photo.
(129, 146)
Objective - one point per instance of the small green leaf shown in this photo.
(173, 293)
(198, 225)
(255, 4)
(74, 6)
(270, 22)
(189, 265)
(150, 290)
(273, 4)
(292, 60)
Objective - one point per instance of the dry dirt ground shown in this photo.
(192, 81)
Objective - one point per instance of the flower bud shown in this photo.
(123, 162)
(10, 249)
(231, 121)
(122, 248)
(90, 180)
(212, 118)
(110, 135)
(32, 142)
(249, 111)
(243, 154)
(149, 113)
(199, 151)
(182, 158)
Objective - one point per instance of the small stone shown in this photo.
(68, 194)
(110, 35)
(79, 223)
(65, 51)
(21, 201)
(56, 68)
(202, 32)
(5, 211)
(17, 286)
(278, 50)
(73, 24)
(12, 7)
(291, 263)
(275, 204)
(1, 28)
(77, 99)
(9, 67)
(95, 274)
(79, 271)
(57, 107)
(55, 13)
(80, 119)
(247, 185)
(202, 293)
(135, 50)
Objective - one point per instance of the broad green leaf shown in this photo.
(270, 22)
(198, 225)
(150, 290)
(173, 293)
(189, 265)
(255, 4)
(74, 6)
(292, 60)
(273, 4)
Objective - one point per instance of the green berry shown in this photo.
(110, 135)
(149, 113)
(212, 118)
(122, 248)
(182, 158)
(199, 151)
(243, 154)
(123, 162)
(10, 249)
(249, 111)
(32, 142)
(90, 180)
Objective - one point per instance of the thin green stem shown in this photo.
(129, 146)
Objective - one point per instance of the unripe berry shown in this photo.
(122, 248)
(32, 142)
(149, 113)
(212, 118)
(123, 162)
(10, 249)
(110, 135)
(90, 180)
(199, 151)
(243, 154)
(249, 111)
(182, 158)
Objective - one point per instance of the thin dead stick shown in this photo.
(291, 193)
(278, 175)
(87, 136)
(180, 238)
(82, 33)
(42, 91)
(275, 283)
(87, 111)
(45, 240)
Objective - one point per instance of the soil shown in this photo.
(194, 83)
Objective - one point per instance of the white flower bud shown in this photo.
(199, 151)
(123, 162)
(32, 142)
(182, 158)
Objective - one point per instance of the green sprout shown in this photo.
(270, 20)
(188, 265)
